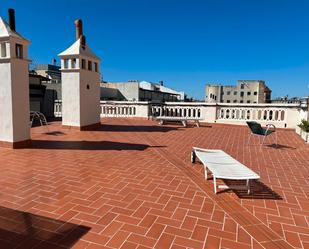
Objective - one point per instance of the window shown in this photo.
(222, 93)
(242, 86)
(19, 51)
(235, 92)
(255, 93)
(234, 101)
(65, 63)
(215, 97)
(228, 101)
(96, 67)
(228, 92)
(83, 64)
(248, 101)
(241, 101)
(90, 65)
(211, 95)
(73, 63)
(241, 94)
(248, 93)
(3, 50)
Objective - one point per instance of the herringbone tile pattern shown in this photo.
(130, 184)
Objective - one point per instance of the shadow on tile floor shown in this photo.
(86, 145)
(133, 128)
(280, 146)
(22, 230)
(55, 133)
(258, 190)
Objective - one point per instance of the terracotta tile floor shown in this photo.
(130, 184)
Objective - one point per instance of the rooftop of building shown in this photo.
(146, 85)
(48, 67)
(130, 184)
(250, 81)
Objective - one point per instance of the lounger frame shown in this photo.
(184, 121)
(219, 169)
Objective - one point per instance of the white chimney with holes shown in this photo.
(14, 86)
(80, 84)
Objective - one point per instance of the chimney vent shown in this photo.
(79, 28)
(54, 62)
(12, 19)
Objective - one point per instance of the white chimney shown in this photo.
(80, 84)
(14, 86)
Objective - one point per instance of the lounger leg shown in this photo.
(248, 186)
(263, 140)
(206, 173)
(215, 185)
(197, 123)
(193, 156)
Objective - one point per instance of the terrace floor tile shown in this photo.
(130, 184)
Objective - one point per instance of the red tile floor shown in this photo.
(130, 184)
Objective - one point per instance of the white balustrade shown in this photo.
(58, 108)
(258, 114)
(117, 110)
(179, 110)
(282, 115)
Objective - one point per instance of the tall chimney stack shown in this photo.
(12, 19)
(79, 28)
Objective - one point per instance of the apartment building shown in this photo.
(50, 71)
(246, 91)
(135, 90)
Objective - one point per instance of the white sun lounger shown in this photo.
(184, 121)
(223, 166)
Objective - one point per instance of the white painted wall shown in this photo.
(14, 101)
(89, 98)
(6, 117)
(70, 98)
(20, 103)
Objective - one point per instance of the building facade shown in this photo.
(139, 91)
(50, 71)
(246, 91)
(51, 80)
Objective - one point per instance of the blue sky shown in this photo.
(185, 43)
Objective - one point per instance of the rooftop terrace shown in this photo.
(130, 184)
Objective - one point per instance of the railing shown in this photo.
(176, 110)
(258, 114)
(282, 115)
(58, 108)
(117, 110)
